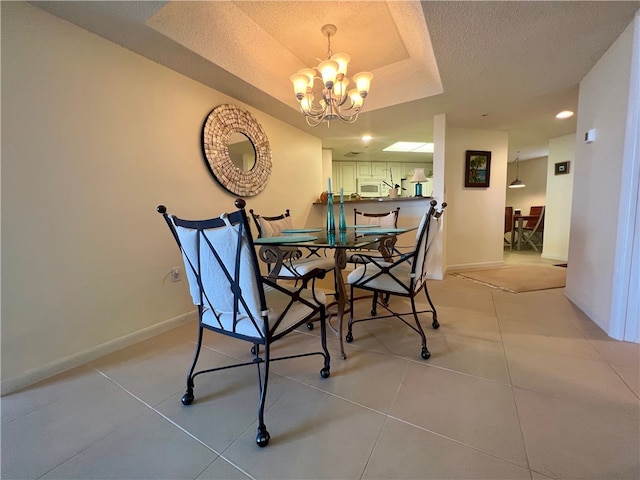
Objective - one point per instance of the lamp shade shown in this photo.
(363, 82)
(328, 70)
(418, 176)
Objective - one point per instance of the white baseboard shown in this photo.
(38, 374)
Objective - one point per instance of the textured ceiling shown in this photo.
(508, 66)
(266, 42)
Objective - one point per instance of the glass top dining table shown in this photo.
(315, 240)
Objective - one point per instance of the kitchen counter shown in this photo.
(411, 211)
(336, 200)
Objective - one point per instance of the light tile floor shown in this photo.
(518, 386)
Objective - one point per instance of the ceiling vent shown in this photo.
(352, 154)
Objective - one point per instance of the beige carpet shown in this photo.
(519, 279)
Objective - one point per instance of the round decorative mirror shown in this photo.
(241, 151)
(236, 150)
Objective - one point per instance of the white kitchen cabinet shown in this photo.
(344, 176)
(379, 171)
(408, 168)
(364, 170)
(396, 171)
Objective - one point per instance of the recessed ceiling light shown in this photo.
(565, 114)
(415, 147)
(366, 138)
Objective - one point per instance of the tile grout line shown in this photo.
(386, 419)
(511, 388)
(156, 411)
(389, 416)
(457, 441)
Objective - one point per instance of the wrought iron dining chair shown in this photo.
(288, 263)
(293, 264)
(533, 230)
(403, 275)
(234, 299)
(381, 220)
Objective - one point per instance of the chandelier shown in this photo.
(335, 101)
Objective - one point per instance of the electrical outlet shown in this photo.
(176, 274)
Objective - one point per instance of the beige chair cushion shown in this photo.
(217, 290)
(273, 228)
(387, 221)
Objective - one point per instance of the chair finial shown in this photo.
(161, 209)
(240, 203)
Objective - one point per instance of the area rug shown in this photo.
(517, 279)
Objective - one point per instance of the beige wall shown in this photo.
(603, 105)
(557, 219)
(475, 216)
(94, 137)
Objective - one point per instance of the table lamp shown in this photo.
(418, 176)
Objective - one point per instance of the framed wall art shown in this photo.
(477, 169)
(562, 168)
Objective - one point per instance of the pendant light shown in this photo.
(517, 183)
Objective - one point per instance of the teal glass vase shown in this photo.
(331, 223)
(342, 223)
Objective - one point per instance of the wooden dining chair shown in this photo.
(235, 300)
(508, 225)
(533, 229)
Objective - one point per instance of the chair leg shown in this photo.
(335, 289)
(435, 323)
(187, 398)
(349, 337)
(326, 370)
(263, 437)
(424, 353)
(374, 304)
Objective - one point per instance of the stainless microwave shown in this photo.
(370, 188)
